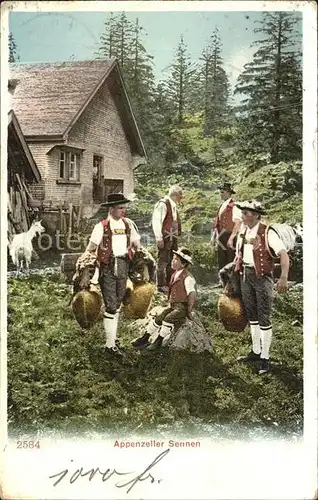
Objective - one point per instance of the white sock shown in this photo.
(166, 329)
(266, 339)
(110, 329)
(256, 336)
(153, 330)
(116, 318)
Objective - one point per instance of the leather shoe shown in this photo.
(156, 344)
(113, 352)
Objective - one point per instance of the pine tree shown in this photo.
(108, 47)
(123, 39)
(179, 85)
(116, 40)
(13, 50)
(215, 86)
(138, 52)
(124, 31)
(271, 86)
(141, 82)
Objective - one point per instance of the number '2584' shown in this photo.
(28, 444)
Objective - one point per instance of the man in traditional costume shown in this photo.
(167, 228)
(182, 297)
(256, 245)
(226, 225)
(113, 240)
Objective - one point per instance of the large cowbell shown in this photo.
(138, 299)
(230, 306)
(86, 306)
(231, 313)
(140, 287)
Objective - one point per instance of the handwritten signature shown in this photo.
(108, 473)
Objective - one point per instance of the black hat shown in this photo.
(115, 199)
(184, 254)
(252, 206)
(226, 187)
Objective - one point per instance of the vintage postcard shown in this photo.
(158, 250)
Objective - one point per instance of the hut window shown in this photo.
(73, 171)
(62, 165)
(69, 166)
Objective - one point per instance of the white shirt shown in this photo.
(119, 238)
(274, 242)
(189, 282)
(236, 214)
(159, 213)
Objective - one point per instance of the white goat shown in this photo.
(21, 246)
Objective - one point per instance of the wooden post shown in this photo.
(9, 205)
(19, 181)
(64, 224)
(26, 189)
(11, 196)
(17, 214)
(24, 201)
(70, 220)
(79, 215)
(74, 216)
(61, 217)
(14, 223)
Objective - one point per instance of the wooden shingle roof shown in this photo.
(18, 150)
(50, 97)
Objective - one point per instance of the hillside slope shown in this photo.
(202, 164)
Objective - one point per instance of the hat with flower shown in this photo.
(252, 206)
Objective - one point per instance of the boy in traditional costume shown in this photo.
(256, 245)
(113, 241)
(182, 297)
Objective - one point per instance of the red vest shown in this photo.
(225, 219)
(177, 291)
(105, 249)
(263, 262)
(169, 224)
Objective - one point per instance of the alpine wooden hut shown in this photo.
(78, 122)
